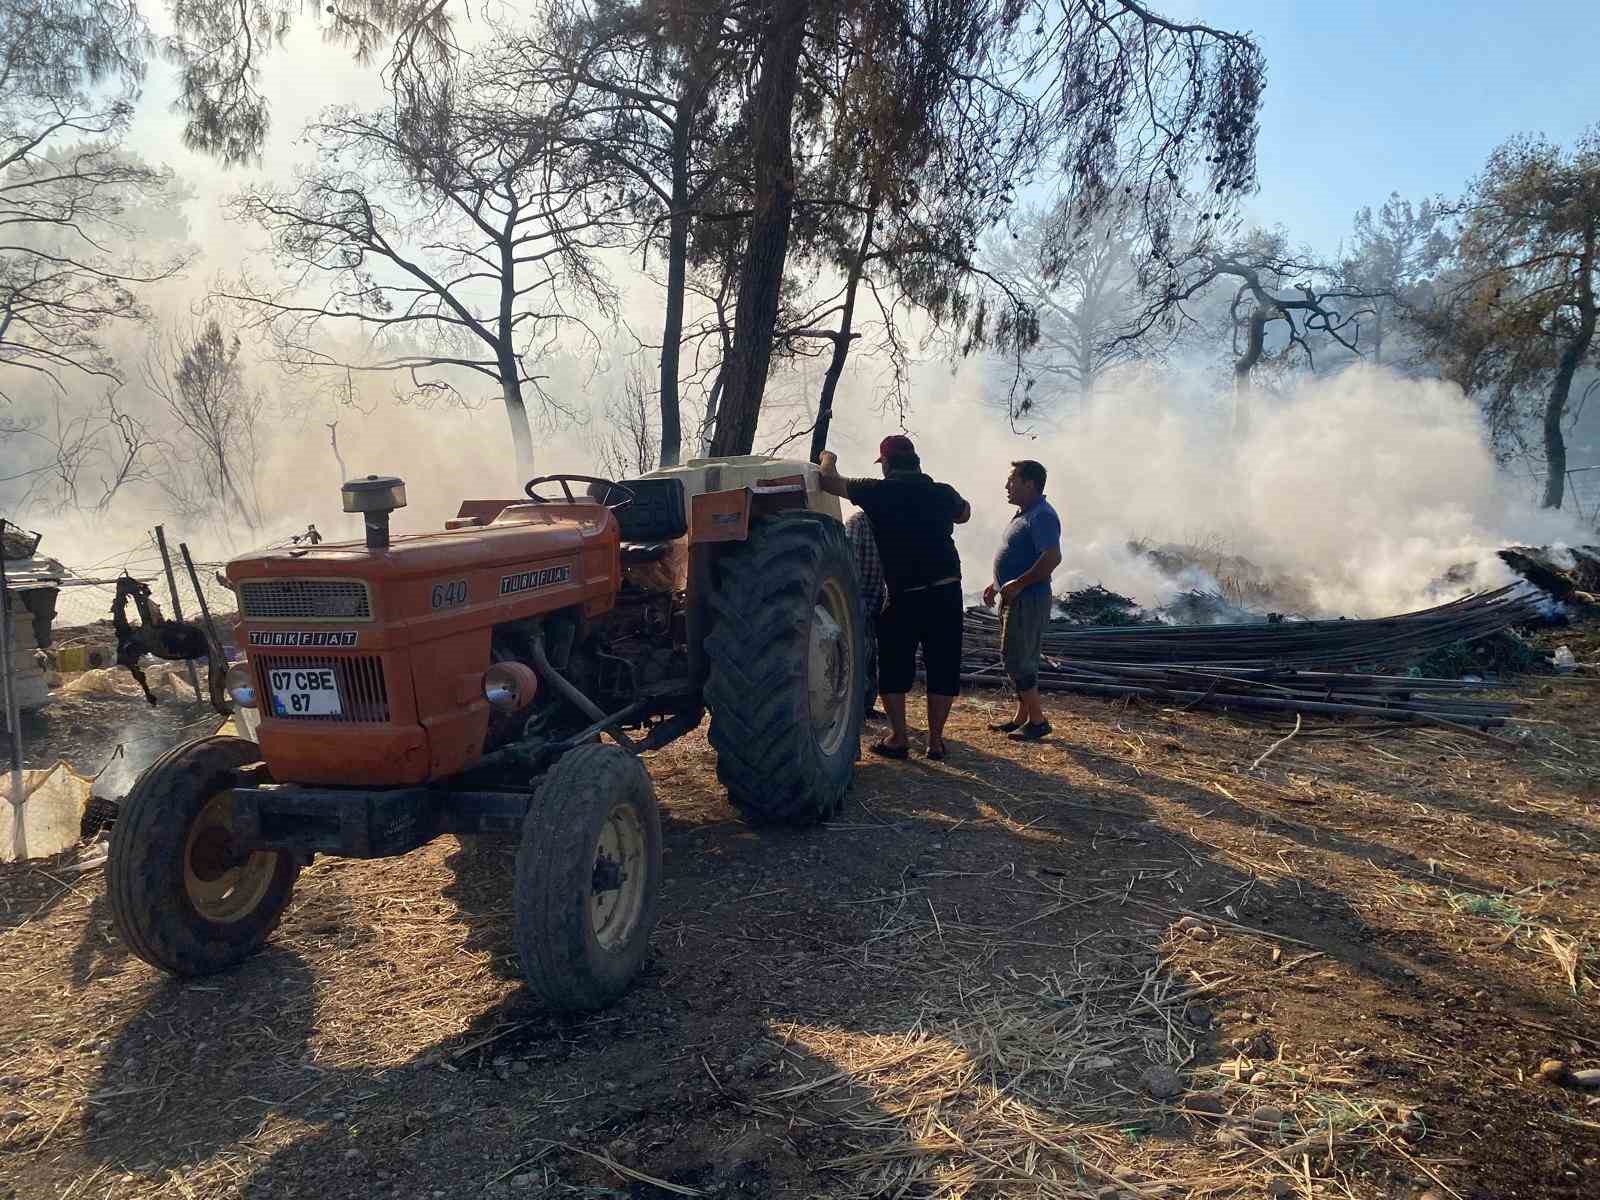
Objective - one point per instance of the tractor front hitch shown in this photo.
(360, 823)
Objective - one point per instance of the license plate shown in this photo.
(305, 692)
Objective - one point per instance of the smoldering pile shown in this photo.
(1099, 606)
(1213, 586)
(1568, 574)
(1205, 584)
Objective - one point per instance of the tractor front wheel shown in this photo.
(588, 879)
(183, 896)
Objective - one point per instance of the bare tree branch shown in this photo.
(198, 374)
(443, 244)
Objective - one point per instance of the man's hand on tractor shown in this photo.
(828, 477)
(989, 594)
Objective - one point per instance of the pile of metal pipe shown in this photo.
(1286, 667)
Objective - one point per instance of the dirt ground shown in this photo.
(1137, 960)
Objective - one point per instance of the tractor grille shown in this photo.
(305, 600)
(363, 694)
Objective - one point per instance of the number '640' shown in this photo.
(448, 595)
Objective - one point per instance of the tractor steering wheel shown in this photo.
(610, 486)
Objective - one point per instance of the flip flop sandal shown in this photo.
(936, 753)
(1005, 726)
(1032, 733)
(884, 750)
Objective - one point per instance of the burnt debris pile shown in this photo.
(1570, 575)
(1099, 606)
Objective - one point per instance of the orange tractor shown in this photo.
(502, 677)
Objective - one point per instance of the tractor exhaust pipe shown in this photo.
(374, 497)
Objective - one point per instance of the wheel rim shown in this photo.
(616, 895)
(830, 666)
(222, 889)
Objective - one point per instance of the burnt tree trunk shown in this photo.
(1555, 409)
(690, 99)
(672, 323)
(505, 355)
(333, 440)
(517, 415)
(1255, 340)
(1085, 351)
(846, 334)
(761, 276)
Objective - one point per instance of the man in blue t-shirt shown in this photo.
(1029, 551)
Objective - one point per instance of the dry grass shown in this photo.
(372, 964)
(1517, 923)
(1004, 1083)
(968, 975)
(1571, 954)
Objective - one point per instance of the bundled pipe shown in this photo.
(1272, 667)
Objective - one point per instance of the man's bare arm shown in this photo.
(1041, 570)
(828, 477)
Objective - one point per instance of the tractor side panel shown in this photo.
(781, 494)
(720, 516)
(447, 674)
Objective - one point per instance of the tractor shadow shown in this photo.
(482, 874)
(241, 1037)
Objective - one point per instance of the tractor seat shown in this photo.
(657, 515)
(634, 553)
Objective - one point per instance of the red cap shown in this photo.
(896, 444)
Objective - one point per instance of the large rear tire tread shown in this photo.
(768, 756)
(564, 964)
(150, 906)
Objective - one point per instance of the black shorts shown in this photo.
(930, 618)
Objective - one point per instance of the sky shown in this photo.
(1363, 98)
(1366, 97)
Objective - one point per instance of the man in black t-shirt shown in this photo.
(913, 521)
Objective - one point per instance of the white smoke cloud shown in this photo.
(1365, 486)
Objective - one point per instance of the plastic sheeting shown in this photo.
(52, 813)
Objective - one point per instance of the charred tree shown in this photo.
(82, 218)
(1082, 299)
(767, 242)
(1270, 285)
(1573, 353)
(842, 338)
(453, 251)
(1519, 317)
(646, 88)
(1131, 104)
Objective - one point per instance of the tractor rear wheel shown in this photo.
(787, 658)
(588, 879)
(182, 895)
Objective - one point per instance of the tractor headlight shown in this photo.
(510, 686)
(240, 684)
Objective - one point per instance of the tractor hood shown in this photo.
(519, 533)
